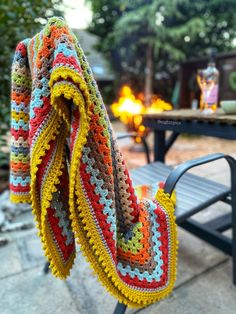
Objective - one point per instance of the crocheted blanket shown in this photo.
(85, 194)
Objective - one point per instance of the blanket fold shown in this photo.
(86, 194)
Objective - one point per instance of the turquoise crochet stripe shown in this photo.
(19, 180)
(36, 101)
(19, 124)
(66, 52)
(99, 190)
(19, 108)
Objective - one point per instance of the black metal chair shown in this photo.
(194, 194)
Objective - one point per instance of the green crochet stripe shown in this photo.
(134, 244)
(21, 80)
(19, 157)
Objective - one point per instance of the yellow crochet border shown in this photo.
(20, 198)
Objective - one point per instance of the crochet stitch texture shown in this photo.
(130, 243)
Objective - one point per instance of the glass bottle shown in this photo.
(208, 80)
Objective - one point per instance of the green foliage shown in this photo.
(19, 19)
(105, 15)
(176, 29)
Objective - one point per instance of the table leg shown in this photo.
(234, 245)
(233, 180)
(120, 308)
(159, 145)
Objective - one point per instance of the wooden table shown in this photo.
(187, 121)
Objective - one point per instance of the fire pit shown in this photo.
(130, 107)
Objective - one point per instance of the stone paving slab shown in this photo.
(31, 251)
(210, 293)
(31, 292)
(89, 295)
(10, 261)
(195, 257)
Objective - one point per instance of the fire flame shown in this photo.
(129, 109)
(128, 105)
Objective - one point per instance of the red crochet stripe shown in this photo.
(62, 59)
(40, 115)
(75, 127)
(22, 49)
(161, 219)
(20, 188)
(98, 209)
(164, 239)
(19, 133)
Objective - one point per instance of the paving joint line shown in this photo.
(22, 271)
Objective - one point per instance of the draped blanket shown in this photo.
(65, 161)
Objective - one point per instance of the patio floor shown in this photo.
(204, 283)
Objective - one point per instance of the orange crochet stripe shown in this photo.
(142, 256)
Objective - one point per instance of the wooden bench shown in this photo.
(193, 193)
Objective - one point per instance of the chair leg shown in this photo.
(233, 202)
(234, 238)
(120, 308)
(234, 263)
(46, 268)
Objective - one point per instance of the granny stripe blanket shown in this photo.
(85, 194)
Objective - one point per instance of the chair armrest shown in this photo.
(144, 142)
(180, 170)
